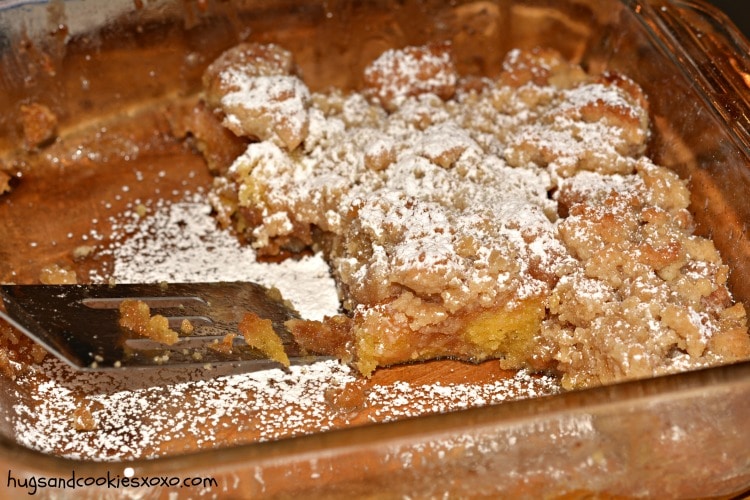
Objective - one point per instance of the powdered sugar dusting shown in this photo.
(156, 419)
(146, 417)
(403, 399)
(439, 208)
(180, 242)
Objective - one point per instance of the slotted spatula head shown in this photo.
(80, 323)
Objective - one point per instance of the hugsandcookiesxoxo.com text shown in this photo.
(33, 484)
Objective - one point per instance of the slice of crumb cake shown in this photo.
(512, 218)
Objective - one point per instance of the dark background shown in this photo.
(738, 11)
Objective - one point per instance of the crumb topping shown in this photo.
(445, 204)
(399, 74)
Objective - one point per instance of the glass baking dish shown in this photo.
(677, 436)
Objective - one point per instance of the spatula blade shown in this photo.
(80, 323)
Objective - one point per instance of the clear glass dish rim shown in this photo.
(725, 46)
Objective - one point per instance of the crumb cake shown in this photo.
(515, 218)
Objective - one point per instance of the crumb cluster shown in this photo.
(515, 218)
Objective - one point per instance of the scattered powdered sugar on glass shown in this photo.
(155, 419)
(147, 416)
(180, 242)
(149, 420)
(403, 399)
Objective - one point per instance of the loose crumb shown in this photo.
(225, 345)
(4, 182)
(83, 251)
(259, 333)
(82, 420)
(39, 125)
(135, 315)
(55, 274)
(186, 327)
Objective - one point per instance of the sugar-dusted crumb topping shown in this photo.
(647, 296)
(253, 85)
(515, 218)
(399, 74)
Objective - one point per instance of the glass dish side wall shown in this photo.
(694, 67)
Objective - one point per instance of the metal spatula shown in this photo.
(80, 323)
